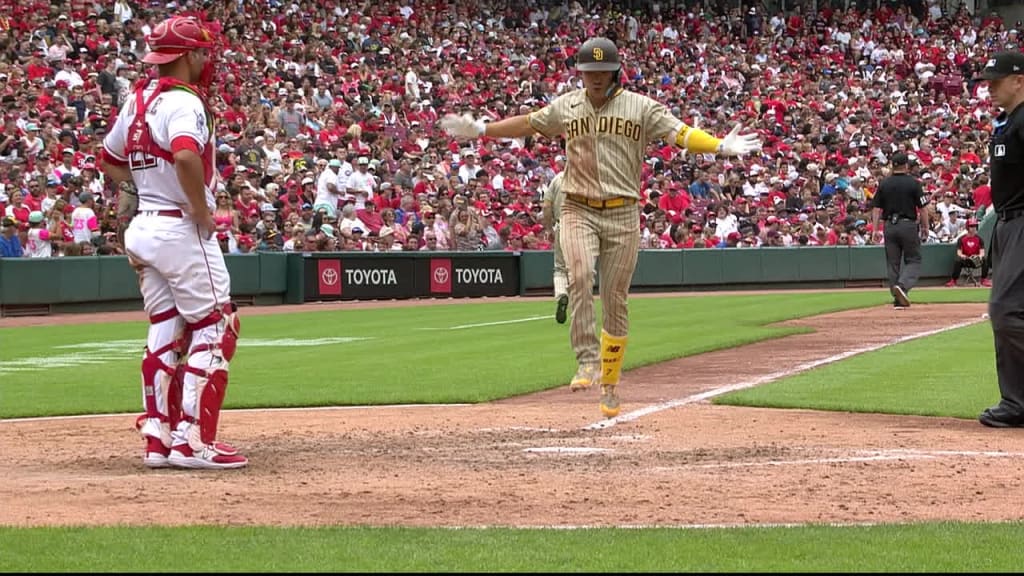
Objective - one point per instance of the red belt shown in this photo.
(168, 213)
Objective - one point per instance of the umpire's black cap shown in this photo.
(598, 55)
(1001, 65)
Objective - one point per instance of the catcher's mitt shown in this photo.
(976, 260)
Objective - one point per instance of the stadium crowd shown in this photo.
(327, 134)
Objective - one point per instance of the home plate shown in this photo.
(567, 450)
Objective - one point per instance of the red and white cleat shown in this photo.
(156, 453)
(215, 456)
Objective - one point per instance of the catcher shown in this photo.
(970, 253)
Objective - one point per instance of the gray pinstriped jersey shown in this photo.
(605, 147)
(554, 196)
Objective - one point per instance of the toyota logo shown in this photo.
(329, 277)
(441, 275)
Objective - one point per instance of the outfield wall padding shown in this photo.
(272, 277)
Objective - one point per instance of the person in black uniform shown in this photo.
(1005, 75)
(900, 201)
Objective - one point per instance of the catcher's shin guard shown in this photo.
(161, 384)
(214, 340)
(613, 350)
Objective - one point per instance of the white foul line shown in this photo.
(654, 408)
(499, 323)
(867, 456)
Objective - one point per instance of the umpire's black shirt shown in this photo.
(1006, 154)
(900, 195)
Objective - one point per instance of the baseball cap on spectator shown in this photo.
(7, 222)
(334, 163)
(267, 207)
(1001, 65)
(363, 160)
(70, 151)
(307, 206)
(35, 217)
(357, 230)
(331, 210)
(307, 180)
(328, 230)
(85, 197)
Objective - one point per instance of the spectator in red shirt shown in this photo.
(970, 253)
(982, 193)
(674, 200)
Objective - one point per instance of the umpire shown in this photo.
(1005, 75)
(900, 201)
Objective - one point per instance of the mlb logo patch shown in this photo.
(999, 151)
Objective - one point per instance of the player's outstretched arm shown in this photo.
(466, 126)
(700, 142)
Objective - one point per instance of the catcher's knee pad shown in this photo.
(214, 340)
(613, 350)
(217, 333)
(161, 386)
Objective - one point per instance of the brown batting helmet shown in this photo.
(598, 55)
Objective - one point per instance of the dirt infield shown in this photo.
(537, 460)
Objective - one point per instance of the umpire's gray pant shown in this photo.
(903, 253)
(1006, 310)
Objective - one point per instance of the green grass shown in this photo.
(938, 547)
(949, 374)
(409, 354)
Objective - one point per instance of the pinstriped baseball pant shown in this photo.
(612, 237)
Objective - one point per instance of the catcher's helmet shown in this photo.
(598, 55)
(174, 37)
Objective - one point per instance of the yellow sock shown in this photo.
(613, 350)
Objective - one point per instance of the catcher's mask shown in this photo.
(177, 36)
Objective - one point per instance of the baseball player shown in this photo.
(552, 203)
(162, 141)
(607, 129)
